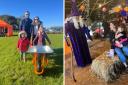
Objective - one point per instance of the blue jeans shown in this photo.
(121, 53)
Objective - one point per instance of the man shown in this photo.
(25, 24)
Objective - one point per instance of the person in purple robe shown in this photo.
(76, 29)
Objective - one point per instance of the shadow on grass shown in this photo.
(57, 69)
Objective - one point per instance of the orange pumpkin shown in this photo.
(117, 9)
(126, 9)
(82, 7)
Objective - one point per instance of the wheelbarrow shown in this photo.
(39, 61)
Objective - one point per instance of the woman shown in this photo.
(39, 39)
(113, 28)
(121, 44)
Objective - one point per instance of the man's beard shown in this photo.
(76, 21)
(80, 21)
(26, 16)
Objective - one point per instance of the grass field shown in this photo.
(15, 72)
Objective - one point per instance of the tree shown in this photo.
(11, 20)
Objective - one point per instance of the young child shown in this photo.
(22, 45)
(121, 44)
(39, 35)
(121, 37)
(40, 39)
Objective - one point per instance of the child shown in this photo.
(121, 44)
(121, 37)
(40, 39)
(22, 45)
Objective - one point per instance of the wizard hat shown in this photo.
(74, 9)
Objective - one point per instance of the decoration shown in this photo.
(82, 7)
(104, 9)
(126, 9)
(123, 13)
(117, 9)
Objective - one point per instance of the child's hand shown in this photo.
(118, 44)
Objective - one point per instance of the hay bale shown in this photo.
(106, 68)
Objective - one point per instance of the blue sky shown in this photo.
(49, 11)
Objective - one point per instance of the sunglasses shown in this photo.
(36, 19)
(26, 14)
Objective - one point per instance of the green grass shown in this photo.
(15, 72)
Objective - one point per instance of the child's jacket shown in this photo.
(122, 39)
(23, 44)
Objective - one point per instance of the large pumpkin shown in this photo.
(82, 7)
(117, 9)
(126, 9)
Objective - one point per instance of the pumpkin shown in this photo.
(126, 9)
(117, 9)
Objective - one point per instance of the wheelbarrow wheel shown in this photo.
(38, 68)
(39, 73)
(40, 62)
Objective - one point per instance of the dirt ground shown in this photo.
(84, 76)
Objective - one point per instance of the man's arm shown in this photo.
(21, 25)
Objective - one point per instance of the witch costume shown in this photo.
(78, 38)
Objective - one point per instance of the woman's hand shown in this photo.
(120, 35)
